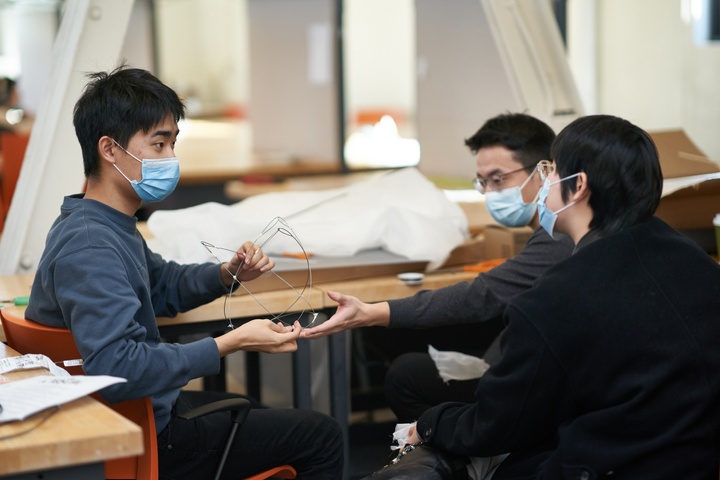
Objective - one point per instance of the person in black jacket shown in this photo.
(610, 364)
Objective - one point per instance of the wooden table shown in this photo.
(210, 318)
(12, 286)
(72, 443)
(379, 289)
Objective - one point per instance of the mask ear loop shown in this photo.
(286, 230)
(527, 180)
(542, 177)
(550, 184)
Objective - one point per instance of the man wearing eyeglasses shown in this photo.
(508, 149)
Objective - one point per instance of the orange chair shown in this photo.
(12, 146)
(58, 344)
(283, 471)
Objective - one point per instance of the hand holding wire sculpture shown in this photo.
(247, 264)
(248, 253)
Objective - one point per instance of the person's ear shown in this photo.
(582, 189)
(106, 149)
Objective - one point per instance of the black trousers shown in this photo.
(309, 441)
(413, 384)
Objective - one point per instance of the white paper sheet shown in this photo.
(22, 398)
(35, 360)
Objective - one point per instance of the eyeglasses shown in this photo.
(495, 181)
(545, 169)
(307, 316)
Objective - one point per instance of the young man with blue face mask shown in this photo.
(98, 278)
(508, 148)
(160, 176)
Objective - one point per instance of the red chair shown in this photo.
(12, 146)
(58, 344)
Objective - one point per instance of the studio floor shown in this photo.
(370, 439)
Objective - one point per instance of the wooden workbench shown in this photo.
(79, 437)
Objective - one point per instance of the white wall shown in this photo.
(380, 55)
(35, 26)
(138, 48)
(9, 49)
(203, 51)
(581, 34)
(89, 38)
(461, 83)
(632, 58)
(27, 36)
(641, 61)
(651, 72)
(292, 110)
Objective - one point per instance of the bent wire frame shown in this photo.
(277, 225)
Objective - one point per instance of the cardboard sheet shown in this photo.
(691, 190)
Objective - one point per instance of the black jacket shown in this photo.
(610, 366)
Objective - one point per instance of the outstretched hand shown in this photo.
(350, 313)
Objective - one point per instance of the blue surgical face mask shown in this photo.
(159, 177)
(548, 217)
(508, 206)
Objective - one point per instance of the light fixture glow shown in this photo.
(380, 146)
(13, 116)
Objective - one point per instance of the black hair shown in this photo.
(119, 104)
(622, 167)
(527, 137)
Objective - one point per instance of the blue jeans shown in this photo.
(309, 441)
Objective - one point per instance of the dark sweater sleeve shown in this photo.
(179, 288)
(518, 401)
(487, 295)
(101, 306)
